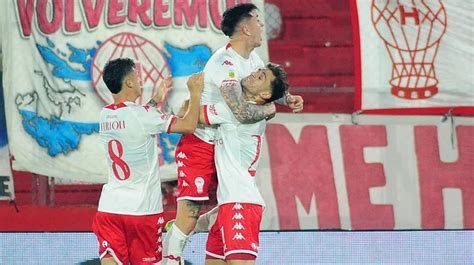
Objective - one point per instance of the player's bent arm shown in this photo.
(188, 123)
(244, 111)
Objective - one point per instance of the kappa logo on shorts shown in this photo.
(237, 206)
(237, 216)
(199, 182)
(179, 163)
(238, 226)
(185, 184)
(238, 236)
(182, 174)
(181, 155)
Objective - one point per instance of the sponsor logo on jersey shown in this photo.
(238, 236)
(238, 226)
(229, 82)
(146, 107)
(237, 216)
(199, 182)
(227, 62)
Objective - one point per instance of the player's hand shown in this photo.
(196, 83)
(295, 103)
(163, 90)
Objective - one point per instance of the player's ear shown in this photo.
(245, 29)
(265, 95)
(128, 81)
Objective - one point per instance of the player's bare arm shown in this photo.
(244, 111)
(188, 123)
(160, 95)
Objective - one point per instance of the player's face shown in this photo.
(259, 83)
(255, 27)
(135, 82)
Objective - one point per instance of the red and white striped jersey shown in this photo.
(225, 65)
(128, 134)
(237, 152)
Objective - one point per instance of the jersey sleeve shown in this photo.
(153, 120)
(217, 113)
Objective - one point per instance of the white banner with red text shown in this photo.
(53, 56)
(414, 55)
(368, 173)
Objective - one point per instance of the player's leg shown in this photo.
(187, 214)
(215, 245)
(144, 237)
(112, 242)
(108, 261)
(241, 228)
(196, 171)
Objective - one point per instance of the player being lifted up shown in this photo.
(234, 237)
(195, 153)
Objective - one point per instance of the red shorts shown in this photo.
(235, 231)
(129, 238)
(196, 170)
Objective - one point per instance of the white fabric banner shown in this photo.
(7, 191)
(53, 54)
(415, 53)
(387, 172)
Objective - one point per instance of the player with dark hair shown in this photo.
(195, 153)
(129, 220)
(234, 237)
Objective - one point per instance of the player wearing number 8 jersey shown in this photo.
(129, 220)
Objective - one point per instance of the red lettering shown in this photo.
(159, 10)
(302, 170)
(25, 10)
(93, 12)
(135, 10)
(197, 8)
(436, 175)
(404, 15)
(70, 24)
(361, 176)
(44, 24)
(113, 16)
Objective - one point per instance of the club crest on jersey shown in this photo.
(227, 62)
(199, 182)
(232, 74)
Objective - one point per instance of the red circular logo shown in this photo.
(150, 62)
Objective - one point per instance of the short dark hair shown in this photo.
(279, 84)
(234, 15)
(115, 72)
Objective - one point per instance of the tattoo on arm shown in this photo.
(152, 103)
(245, 112)
(194, 209)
